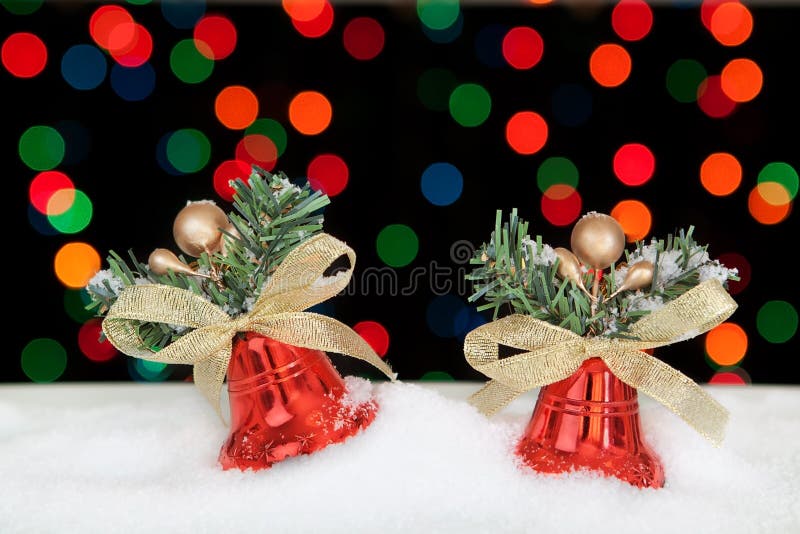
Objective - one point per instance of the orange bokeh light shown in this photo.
(76, 263)
(742, 80)
(303, 10)
(526, 132)
(721, 174)
(610, 65)
(310, 112)
(769, 203)
(634, 217)
(236, 107)
(731, 23)
(726, 344)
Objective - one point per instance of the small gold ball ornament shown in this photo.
(197, 228)
(597, 240)
(569, 268)
(639, 275)
(161, 261)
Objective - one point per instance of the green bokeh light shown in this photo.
(43, 360)
(188, 150)
(75, 302)
(188, 64)
(434, 87)
(76, 218)
(21, 7)
(438, 14)
(470, 104)
(139, 2)
(151, 371)
(437, 376)
(556, 170)
(781, 173)
(397, 245)
(41, 148)
(777, 321)
(683, 78)
(272, 129)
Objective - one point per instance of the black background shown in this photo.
(388, 138)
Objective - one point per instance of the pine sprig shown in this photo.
(271, 217)
(516, 274)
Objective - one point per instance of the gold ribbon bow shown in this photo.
(296, 284)
(554, 353)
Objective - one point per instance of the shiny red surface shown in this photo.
(285, 401)
(590, 421)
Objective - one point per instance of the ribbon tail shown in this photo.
(493, 397)
(209, 375)
(679, 393)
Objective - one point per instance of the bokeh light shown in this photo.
(310, 112)
(22, 7)
(111, 27)
(397, 245)
(137, 51)
(303, 10)
(84, 67)
(610, 65)
(188, 150)
(45, 185)
(561, 204)
(523, 47)
(133, 84)
(438, 14)
(257, 149)
(446, 35)
(328, 173)
(632, 19)
(39, 222)
(41, 148)
(43, 360)
(470, 104)
(634, 164)
(731, 23)
(434, 87)
(727, 378)
(24, 54)
(75, 302)
(726, 344)
(769, 203)
(571, 104)
(318, 26)
(183, 14)
(781, 173)
(712, 100)
(69, 211)
(76, 263)
(526, 132)
(741, 79)
(721, 174)
(147, 371)
(188, 64)
(272, 129)
(236, 107)
(444, 316)
(363, 38)
(634, 217)
(743, 268)
(776, 321)
(437, 376)
(90, 344)
(442, 183)
(375, 334)
(227, 171)
(215, 36)
(556, 170)
(684, 77)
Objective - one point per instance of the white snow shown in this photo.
(545, 256)
(133, 458)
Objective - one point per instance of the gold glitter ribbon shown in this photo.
(553, 353)
(297, 284)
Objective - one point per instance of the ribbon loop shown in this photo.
(554, 353)
(297, 284)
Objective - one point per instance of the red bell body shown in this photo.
(590, 420)
(285, 401)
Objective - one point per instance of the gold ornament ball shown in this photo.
(597, 240)
(161, 261)
(197, 228)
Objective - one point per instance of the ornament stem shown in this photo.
(598, 274)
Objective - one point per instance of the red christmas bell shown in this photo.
(285, 401)
(590, 420)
